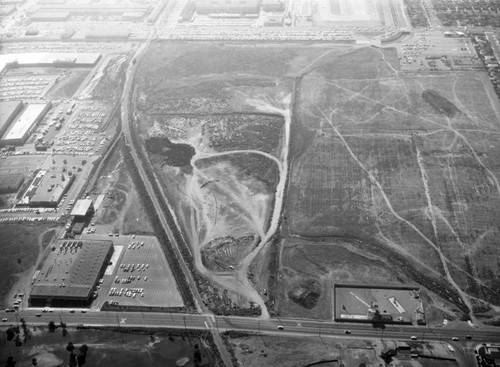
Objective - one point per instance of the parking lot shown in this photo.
(141, 276)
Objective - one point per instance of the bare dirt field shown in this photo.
(121, 209)
(215, 129)
(264, 350)
(405, 165)
(415, 166)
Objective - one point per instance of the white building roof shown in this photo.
(81, 207)
(25, 121)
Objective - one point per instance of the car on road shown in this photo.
(413, 337)
(455, 339)
(83, 311)
(72, 311)
(468, 336)
(347, 331)
(280, 327)
(39, 315)
(5, 319)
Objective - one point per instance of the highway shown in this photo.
(298, 327)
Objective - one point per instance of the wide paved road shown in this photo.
(224, 323)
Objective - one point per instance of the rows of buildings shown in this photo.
(207, 7)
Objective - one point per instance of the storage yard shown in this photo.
(398, 305)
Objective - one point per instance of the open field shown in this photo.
(415, 166)
(121, 209)
(255, 350)
(21, 247)
(308, 271)
(403, 164)
(214, 129)
(105, 348)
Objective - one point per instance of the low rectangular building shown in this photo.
(8, 112)
(50, 189)
(19, 131)
(50, 16)
(71, 273)
(227, 6)
(83, 208)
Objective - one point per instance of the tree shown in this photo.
(10, 334)
(52, 326)
(70, 347)
(34, 362)
(84, 348)
(72, 360)
(10, 362)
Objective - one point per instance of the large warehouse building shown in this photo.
(19, 131)
(227, 6)
(71, 273)
(8, 112)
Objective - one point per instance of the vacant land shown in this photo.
(403, 165)
(105, 348)
(410, 163)
(121, 209)
(214, 129)
(20, 246)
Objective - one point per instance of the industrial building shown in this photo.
(273, 5)
(50, 189)
(82, 213)
(49, 59)
(19, 131)
(71, 273)
(10, 183)
(82, 209)
(49, 16)
(273, 20)
(228, 6)
(115, 34)
(8, 112)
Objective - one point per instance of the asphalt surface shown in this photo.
(225, 323)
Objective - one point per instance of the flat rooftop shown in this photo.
(81, 207)
(72, 269)
(46, 58)
(25, 121)
(8, 111)
(52, 187)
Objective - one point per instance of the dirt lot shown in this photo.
(215, 131)
(107, 348)
(404, 164)
(121, 209)
(415, 165)
(263, 350)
